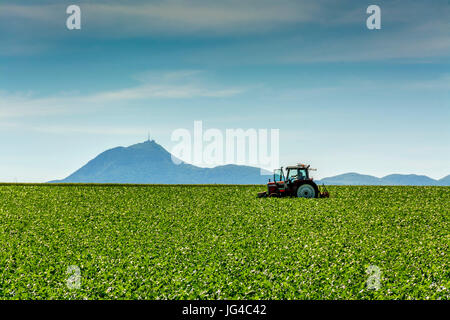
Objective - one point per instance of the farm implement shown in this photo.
(296, 183)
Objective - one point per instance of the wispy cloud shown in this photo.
(91, 130)
(137, 18)
(391, 45)
(27, 104)
(169, 85)
(422, 42)
(413, 29)
(150, 91)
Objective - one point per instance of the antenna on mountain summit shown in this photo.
(148, 137)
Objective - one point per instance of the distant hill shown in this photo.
(445, 181)
(351, 179)
(150, 163)
(408, 179)
(390, 180)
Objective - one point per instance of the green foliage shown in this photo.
(221, 242)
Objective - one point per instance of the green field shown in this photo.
(220, 242)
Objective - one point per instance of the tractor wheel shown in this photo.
(307, 190)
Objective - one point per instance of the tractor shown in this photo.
(296, 183)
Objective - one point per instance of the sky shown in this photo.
(345, 98)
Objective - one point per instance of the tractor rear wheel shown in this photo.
(307, 190)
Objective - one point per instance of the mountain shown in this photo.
(389, 180)
(408, 180)
(148, 162)
(351, 179)
(445, 181)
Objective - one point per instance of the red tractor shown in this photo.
(296, 183)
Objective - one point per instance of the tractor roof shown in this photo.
(298, 166)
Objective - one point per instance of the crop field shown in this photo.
(221, 242)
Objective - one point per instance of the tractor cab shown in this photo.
(299, 172)
(296, 183)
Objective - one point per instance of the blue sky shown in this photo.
(345, 98)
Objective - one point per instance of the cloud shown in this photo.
(211, 17)
(410, 46)
(410, 30)
(112, 19)
(354, 49)
(170, 85)
(181, 84)
(156, 91)
(77, 129)
(26, 104)
(91, 130)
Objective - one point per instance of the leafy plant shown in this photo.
(220, 242)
